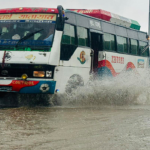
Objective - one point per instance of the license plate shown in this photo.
(5, 88)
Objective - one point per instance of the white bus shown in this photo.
(46, 50)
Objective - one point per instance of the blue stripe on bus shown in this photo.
(37, 89)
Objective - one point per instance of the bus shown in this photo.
(47, 50)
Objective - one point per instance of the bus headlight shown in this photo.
(40, 74)
(48, 74)
(24, 76)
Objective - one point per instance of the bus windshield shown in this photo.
(30, 31)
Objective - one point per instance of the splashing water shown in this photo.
(126, 89)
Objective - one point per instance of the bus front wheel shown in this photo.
(74, 83)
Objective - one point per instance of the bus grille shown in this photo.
(16, 70)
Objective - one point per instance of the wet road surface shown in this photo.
(103, 115)
(86, 128)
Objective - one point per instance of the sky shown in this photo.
(132, 9)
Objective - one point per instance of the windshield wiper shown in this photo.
(28, 36)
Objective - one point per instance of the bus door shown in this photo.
(96, 45)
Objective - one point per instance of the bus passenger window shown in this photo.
(82, 34)
(109, 42)
(133, 46)
(122, 45)
(142, 45)
(68, 35)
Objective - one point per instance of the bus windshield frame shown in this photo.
(27, 32)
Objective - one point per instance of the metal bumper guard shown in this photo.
(33, 87)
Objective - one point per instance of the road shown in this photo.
(57, 128)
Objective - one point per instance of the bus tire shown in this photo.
(74, 82)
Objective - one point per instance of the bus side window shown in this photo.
(68, 35)
(82, 34)
(133, 46)
(108, 42)
(122, 44)
(142, 45)
(68, 43)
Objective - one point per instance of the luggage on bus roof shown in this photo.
(108, 16)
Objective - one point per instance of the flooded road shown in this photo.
(112, 114)
(96, 128)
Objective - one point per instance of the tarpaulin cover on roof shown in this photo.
(114, 18)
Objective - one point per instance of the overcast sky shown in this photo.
(132, 9)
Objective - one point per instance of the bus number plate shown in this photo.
(5, 88)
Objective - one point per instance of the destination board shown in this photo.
(33, 16)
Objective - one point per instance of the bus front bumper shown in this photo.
(28, 87)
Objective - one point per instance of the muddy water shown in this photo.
(96, 128)
(103, 115)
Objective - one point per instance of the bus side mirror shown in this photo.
(61, 12)
(61, 19)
